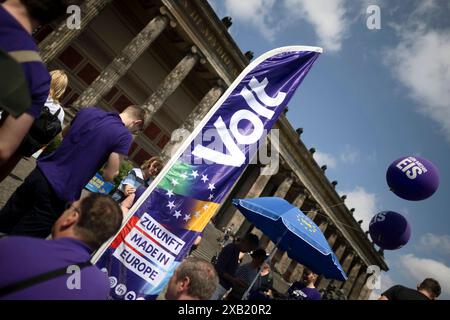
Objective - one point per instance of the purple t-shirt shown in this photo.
(94, 134)
(302, 292)
(14, 37)
(24, 257)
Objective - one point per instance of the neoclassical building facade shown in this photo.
(176, 58)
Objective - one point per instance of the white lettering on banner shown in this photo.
(411, 167)
(150, 249)
(139, 265)
(166, 238)
(253, 118)
(234, 156)
(378, 218)
(255, 105)
(258, 88)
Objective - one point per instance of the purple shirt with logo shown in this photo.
(24, 257)
(14, 37)
(302, 292)
(94, 134)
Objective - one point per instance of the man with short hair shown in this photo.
(305, 289)
(17, 21)
(95, 137)
(81, 229)
(228, 262)
(194, 279)
(429, 289)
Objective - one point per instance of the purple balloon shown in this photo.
(389, 230)
(412, 178)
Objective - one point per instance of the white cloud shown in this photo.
(365, 204)
(420, 268)
(349, 155)
(255, 12)
(327, 16)
(439, 243)
(421, 63)
(327, 159)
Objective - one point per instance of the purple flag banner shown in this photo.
(163, 224)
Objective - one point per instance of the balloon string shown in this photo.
(339, 222)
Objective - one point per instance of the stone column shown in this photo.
(340, 251)
(238, 219)
(360, 283)
(60, 38)
(298, 270)
(300, 199)
(324, 225)
(195, 117)
(354, 271)
(281, 192)
(312, 213)
(171, 82)
(287, 275)
(109, 77)
(346, 267)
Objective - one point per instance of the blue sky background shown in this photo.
(372, 97)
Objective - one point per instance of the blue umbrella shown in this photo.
(292, 231)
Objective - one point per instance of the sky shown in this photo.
(373, 96)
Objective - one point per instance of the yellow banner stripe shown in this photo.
(201, 214)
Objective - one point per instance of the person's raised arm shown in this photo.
(112, 166)
(12, 133)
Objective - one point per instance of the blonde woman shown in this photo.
(46, 127)
(58, 86)
(137, 177)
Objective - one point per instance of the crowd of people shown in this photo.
(48, 227)
(46, 223)
(253, 280)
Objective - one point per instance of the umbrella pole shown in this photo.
(269, 257)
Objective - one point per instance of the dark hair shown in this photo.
(432, 286)
(203, 279)
(252, 240)
(259, 254)
(100, 219)
(307, 270)
(46, 11)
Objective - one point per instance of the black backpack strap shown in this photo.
(23, 284)
(57, 112)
